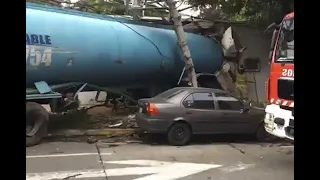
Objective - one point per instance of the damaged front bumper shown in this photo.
(279, 122)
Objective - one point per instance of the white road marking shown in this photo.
(66, 155)
(287, 146)
(237, 167)
(140, 162)
(160, 171)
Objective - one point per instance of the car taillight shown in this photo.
(152, 109)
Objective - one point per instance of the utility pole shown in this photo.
(176, 17)
(137, 13)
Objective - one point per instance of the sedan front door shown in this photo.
(200, 112)
(232, 117)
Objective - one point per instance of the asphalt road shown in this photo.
(219, 161)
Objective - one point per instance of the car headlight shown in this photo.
(269, 116)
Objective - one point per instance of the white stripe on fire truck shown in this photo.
(292, 104)
(284, 103)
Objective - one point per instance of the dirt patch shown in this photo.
(133, 138)
(95, 118)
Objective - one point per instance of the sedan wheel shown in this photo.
(179, 134)
(262, 135)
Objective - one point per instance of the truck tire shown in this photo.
(36, 114)
(179, 134)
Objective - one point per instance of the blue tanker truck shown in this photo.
(68, 51)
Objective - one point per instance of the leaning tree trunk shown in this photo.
(176, 17)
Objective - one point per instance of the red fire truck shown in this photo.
(279, 118)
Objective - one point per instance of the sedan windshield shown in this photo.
(285, 46)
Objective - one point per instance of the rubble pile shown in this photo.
(102, 121)
(95, 118)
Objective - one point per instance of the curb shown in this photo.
(93, 132)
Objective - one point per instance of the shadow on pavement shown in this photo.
(212, 139)
(155, 140)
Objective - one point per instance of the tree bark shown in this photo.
(176, 17)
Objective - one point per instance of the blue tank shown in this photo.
(73, 46)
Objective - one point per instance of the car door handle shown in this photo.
(188, 112)
(224, 114)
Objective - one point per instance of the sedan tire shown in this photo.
(263, 136)
(179, 134)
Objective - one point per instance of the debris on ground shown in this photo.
(127, 139)
(101, 121)
(72, 176)
(132, 123)
(95, 118)
(117, 124)
(92, 140)
(105, 118)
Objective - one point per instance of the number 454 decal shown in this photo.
(36, 55)
(288, 72)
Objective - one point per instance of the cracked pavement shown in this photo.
(223, 161)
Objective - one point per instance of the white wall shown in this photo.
(258, 45)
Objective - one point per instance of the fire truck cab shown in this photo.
(279, 118)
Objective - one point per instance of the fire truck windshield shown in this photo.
(285, 45)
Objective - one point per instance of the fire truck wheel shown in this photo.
(36, 115)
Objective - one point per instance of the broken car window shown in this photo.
(188, 102)
(199, 101)
(203, 101)
(229, 103)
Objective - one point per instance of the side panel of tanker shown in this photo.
(71, 46)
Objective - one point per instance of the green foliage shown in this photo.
(259, 11)
(93, 6)
(45, 2)
(103, 7)
(153, 13)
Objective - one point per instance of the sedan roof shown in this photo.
(200, 89)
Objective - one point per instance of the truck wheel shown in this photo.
(36, 123)
(179, 134)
